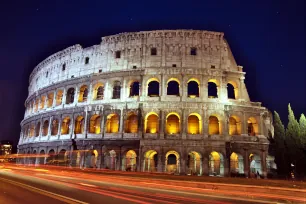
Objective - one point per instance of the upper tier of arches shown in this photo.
(127, 51)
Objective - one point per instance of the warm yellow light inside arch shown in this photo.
(215, 81)
(173, 126)
(194, 79)
(211, 129)
(153, 128)
(192, 127)
(174, 79)
(252, 121)
(152, 79)
(95, 89)
(174, 113)
(150, 154)
(173, 152)
(234, 125)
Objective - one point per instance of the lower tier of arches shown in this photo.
(131, 156)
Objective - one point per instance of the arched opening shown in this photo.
(213, 127)
(110, 160)
(212, 89)
(37, 130)
(255, 165)
(173, 123)
(152, 123)
(116, 89)
(194, 124)
(50, 100)
(42, 102)
(194, 163)
(150, 161)
(236, 164)
(70, 96)
(112, 123)
(252, 127)
(173, 87)
(36, 105)
(172, 162)
(230, 91)
(83, 94)
(32, 130)
(153, 88)
(216, 164)
(193, 89)
(65, 126)
(63, 158)
(234, 126)
(95, 124)
(45, 128)
(54, 130)
(51, 159)
(98, 91)
(131, 124)
(129, 161)
(41, 160)
(271, 166)
(79, 125)
(134, 89)
(92, 158)
(59, 97)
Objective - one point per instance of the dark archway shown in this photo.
(153, 89)
(230, 91)
(212, 90)
(173, 88)
(193, 89)
(134, 89)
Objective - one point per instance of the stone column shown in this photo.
(160, 162)
(246, 163)
(86, 122)
(76, 94)
(264, 164)
(161, 124)
(183, 124)
(102, 123)
(41, 128)
(59, 132)
(101, 158)
(183, 164)
(121, 125)
(64, 96)
(205, 165)
(49, 127)
(244, 128)
(90, 94)
(71, 129)
(162, 87)
(54, 99)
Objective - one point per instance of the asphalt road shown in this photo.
(38, 185)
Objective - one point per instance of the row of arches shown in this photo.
(151, 125)
(153, 90)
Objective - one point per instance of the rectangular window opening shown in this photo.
(134, 67)
(193, 51)
(118, 54)
(87, 60)
(153, 51)
(64, 67)
(212, 66)
(173, 65)
(100, 70)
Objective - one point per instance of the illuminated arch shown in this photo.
(232, 90)
(252, 126)
(172, 162)
(129, 161)
(45, 128)
(173, 87)
(153, 87)
(234, 125)
(194, 163)
(83, 94)
(193, 88)
(194, 124)
(95, 124)
(151, 123)
(65, 129)
(236, 163)
(59, 97)
(54, 130)
(112, 123)
(79, 125)
(37, 130)
(173, 123)
(212, 87)
(255, 165)
(216, 164)
(131, 123)
(42, 102)
(150, 161)
(98, 91)
(214, 125)
(50, 100)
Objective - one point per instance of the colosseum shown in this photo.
(172, 101)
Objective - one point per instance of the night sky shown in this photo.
(266, 37)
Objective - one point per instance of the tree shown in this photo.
(283, 164)
(293, 141)
(303, 129)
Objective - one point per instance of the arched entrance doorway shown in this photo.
(216, 164)
(41, 160)
(110, 160)
(63, 158)
(129, 161)
(51, 159)
(150, 161)
(236, 164)
(92, 158)
(255, 165)
(194, 163)
(172, 162)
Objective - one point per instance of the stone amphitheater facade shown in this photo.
(155, 101)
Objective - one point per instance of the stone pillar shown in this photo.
(41, 128)
(162, 87)
(76, 94)
(59, 132)
(183, 164)
(226, 165)
(71, 129)
(261, 120)
(101, 155)
(161, 124)
(102, 124)
(244, 128)
(160, 162)
(54, 99)
(120, 160)
(264, 164)
(49, 127)
(246, 163)
(205, 166)
(121, 124)
(90, 94)
(86, 122)
(183, 124)
(64, 96)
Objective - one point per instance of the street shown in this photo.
(44, 184)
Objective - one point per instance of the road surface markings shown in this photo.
(44, 192)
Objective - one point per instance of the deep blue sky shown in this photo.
(267, 38)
